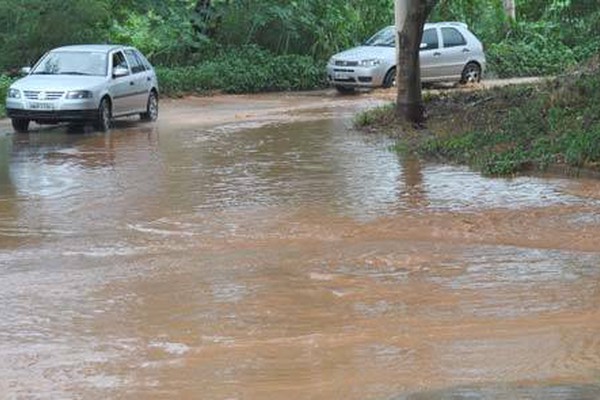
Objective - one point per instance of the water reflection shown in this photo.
(412, 191)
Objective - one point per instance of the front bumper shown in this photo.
(52, 111)
(356, 76)
(53, 116)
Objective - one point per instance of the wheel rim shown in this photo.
(390, 79)
(153, 107)
(472, 74)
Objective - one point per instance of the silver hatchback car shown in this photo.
(449, 52)
(85, 83)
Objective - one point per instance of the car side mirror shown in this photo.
(119, 72)
(423, 46)
(25, 70)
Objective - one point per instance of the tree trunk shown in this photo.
(409, 104)
(510, 9)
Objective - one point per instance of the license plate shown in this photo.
(341, 75)
(40, 106)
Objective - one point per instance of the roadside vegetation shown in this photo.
(504, 131)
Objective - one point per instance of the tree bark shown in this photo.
(409, 102)
(510, 9)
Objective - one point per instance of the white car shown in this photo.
(85, 83)
(449, 52)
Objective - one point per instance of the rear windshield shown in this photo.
(385, 38)
(72, 63)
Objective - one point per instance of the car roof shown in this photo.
(446, 23)
(102, 48)
(440, 24)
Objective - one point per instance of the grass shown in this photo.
(508, 130)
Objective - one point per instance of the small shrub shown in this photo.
(379, 116)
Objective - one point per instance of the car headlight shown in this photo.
(80, 94)
(13, 94)
(370, 63)
(331, 61)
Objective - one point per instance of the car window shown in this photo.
(385, 38)
(136, 64)
(144, 60)
(452, 37)
(118, 60)
(430, 39)
(72, 63)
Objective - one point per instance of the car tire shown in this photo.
(104, 120)
(20, 125)
(151, 113)
(390, 79)
(345, 89)
(471, 73)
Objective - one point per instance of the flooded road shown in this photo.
(256, 247)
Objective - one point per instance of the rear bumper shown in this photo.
(53, 116)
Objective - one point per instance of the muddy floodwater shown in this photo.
(260, 248)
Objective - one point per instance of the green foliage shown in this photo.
(560, 124)
(380, 116)
(165, 34)
(313, 27)
(5, 83)
(531, 50)
(27, 32)
(582, 147)
(485, 18)
(244, 70)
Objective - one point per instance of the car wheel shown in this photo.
(151, 113)
(20, 125)
(345, 89)
(390, 79)
(104, 115)
(471, 73)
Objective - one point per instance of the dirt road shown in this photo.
(218, 109)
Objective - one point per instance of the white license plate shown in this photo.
(341, 75)
(34, 105)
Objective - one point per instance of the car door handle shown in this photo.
(437, 54)
(148, 79)
(465, 50)
(131, 83)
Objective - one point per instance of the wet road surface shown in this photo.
(254, 247)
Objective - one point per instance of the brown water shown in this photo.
(259, 248)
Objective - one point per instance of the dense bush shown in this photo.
(312, 27)
(244, 70)
(532, 54)
(28, 29)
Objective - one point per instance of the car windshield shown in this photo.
(384, 38)
(72, 63)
